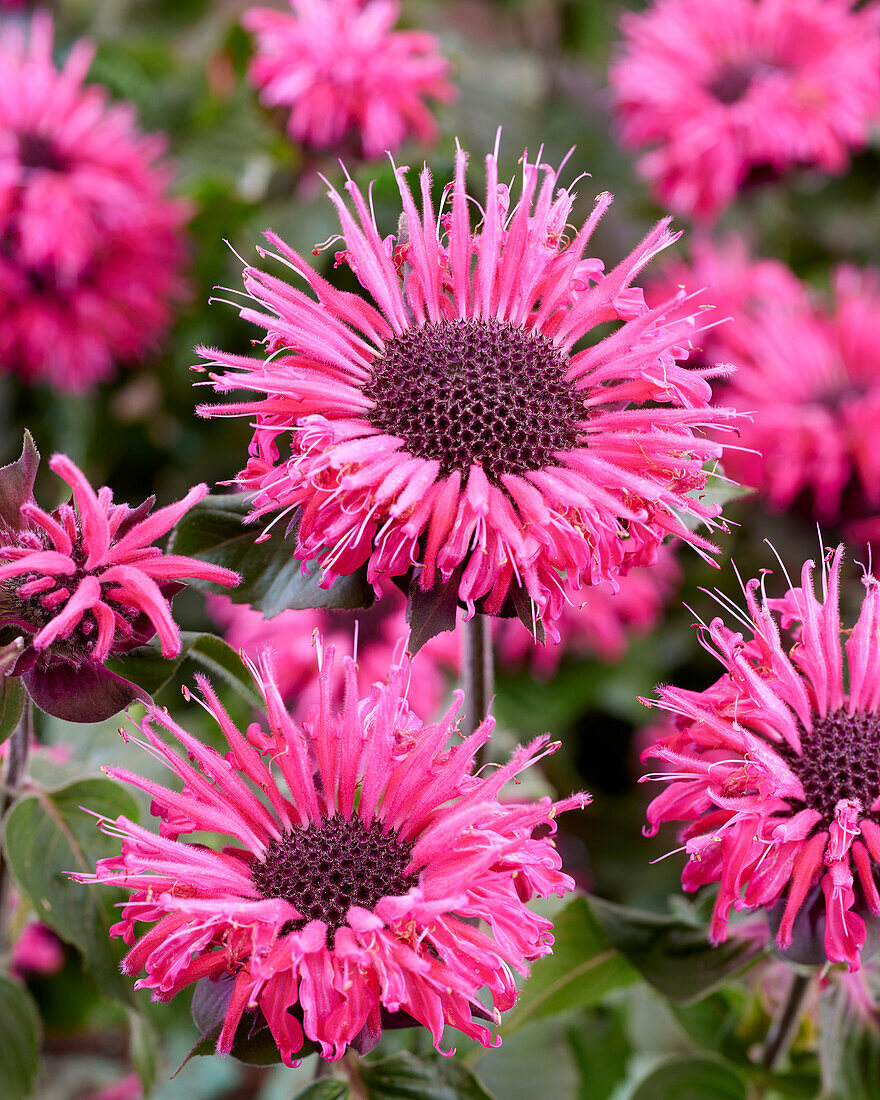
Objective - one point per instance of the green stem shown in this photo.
(16, 764)
(784, 1027)
(477, 670)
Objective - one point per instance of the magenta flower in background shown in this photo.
(724, 91)
(736, 286)
(381, 641)
(370, 872)
(85, 583)
(37, 950)
(811, 381)
(776, 768)
(459, 426)
(351, 81)
(602, 628)
(91, 243)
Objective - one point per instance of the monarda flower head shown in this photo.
(461, 429)
(350, 80)
(370, 874)
(91, 242)
(84, 583)
(724, 91)
(776, 768)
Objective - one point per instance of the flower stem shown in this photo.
(784, 1027)
(16, 763)
(477, 670)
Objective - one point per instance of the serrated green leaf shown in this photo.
(20, 1037)
(273, 580)
(147, 668)
(583, 969)
(143, 1047)
(328, 1089)
(685, 1078)
(12, 697)
(405, 1077)
(48, 836)
(671, 953)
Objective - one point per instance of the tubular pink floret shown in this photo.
(323, 969)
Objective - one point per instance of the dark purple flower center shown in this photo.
(840, 759)
(732, 81)
(323, 870)
(486, 392)
(37, 151)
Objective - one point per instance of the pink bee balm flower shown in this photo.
(91, 241)
(369, 872)
(812, 385)
(458, 430)
(85, 583)
(775, 769)
(602, 627)
(346, 76)
(722, 91)
(380, 632)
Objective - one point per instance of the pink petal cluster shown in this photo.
(86, 583)
(350, 80)
(602, 626)
(379, 632)
(371, 771)
(91, 242)
(723, 91)
(811, 382)
(554, 466)
(774, 768)
(37, 950)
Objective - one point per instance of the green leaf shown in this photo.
(12, 698)
(17, 483)
(405, 1077)
(600, 1048)
(273, 580)
(327, 1089)
(143, 1047)
(48, 836)
(431, 612)
(583, 969)
(685, 1078)
(671, 953)
(147, 668)
(20, 1037)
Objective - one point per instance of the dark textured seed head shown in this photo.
(323, 870)
(37, 151)
(841, 759)
(463, 392)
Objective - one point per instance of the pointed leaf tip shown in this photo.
(17, 483)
